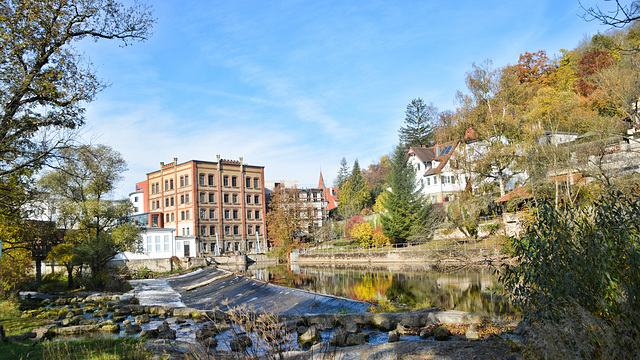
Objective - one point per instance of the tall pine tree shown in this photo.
(343, 174)
(419, 124)
(409, 216)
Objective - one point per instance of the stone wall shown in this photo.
(158, 265)
(401, 256)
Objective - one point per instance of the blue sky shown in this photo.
(297, 85)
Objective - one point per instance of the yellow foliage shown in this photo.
(363, 233)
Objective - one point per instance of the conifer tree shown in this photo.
(343, 174)
(409, 216)
(354, 194)
(419, 124)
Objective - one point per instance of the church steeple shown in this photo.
(321, 182)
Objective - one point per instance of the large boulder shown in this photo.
(241, 343)
(166, 332)
(310, 337)
(442, 333)
(339, 337)
(355, 339)
(142, 319)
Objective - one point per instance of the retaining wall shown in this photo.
(401, 256)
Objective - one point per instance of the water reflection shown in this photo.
(476, 291)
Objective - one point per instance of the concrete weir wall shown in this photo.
(157, 265)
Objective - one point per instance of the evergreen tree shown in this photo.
(354, 194)
(409, 216)
(343, 174)
(419, 124)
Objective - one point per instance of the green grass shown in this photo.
(98, 349)
(11, 321)
(94, 349)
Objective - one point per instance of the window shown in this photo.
(235, 214)
(226, 198)
(236, 230)
(172, 217)
(256, 199)
(204, 247)
(186, 198)
(212, 214)
(250, 230)
(213, 247)
(172, 201)
(157, 204)
(166, 202)
(453, 179)
(203, 214)
(166, 243)
(135, 199)
(158, 245)
(210, 180)
(247, 182)
(258, 229)
(149, 244)
(153, 205)
(428, 181)
(236, 246)
(201, 178)
(187, 230)
(225, 180)
(257, 214)
(234, 181)
(235, 198)
(203, 231)
(212, 232)
(166, 185)
(171, 184)
(227, 230)
(203, 198)
(248, 199)
(167, 218)
(181, 199)
(186, 183)
(418, 167)
(435, 180)
(181, 181)
(187, 214)
(249, 213)
(212, 197)
(182, 215)
(227, 214)
(256, 183)
(442, 180)
(178, 245)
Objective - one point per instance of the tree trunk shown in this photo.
(69, 277)
(38, 270)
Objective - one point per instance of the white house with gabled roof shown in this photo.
(437, 173)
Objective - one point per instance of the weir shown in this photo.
(215, 288)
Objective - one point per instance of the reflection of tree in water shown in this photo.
(472, 291)
(282, 275)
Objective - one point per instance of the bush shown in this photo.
(362, 233)
(589, 257)
(355, 220)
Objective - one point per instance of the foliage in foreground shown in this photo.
(578, 279)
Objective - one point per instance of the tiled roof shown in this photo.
(518, 193)
(429, 155)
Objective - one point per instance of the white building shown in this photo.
(437, 173)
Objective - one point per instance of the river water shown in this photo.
(476, 290)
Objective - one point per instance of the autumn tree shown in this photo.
(287, 214)
(82, 185)
(419, 123)
(45, 81)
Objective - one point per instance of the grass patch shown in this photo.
(95, 349)
(11, 321)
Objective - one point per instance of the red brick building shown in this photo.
(220, 203)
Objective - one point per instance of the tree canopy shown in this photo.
(419, 121)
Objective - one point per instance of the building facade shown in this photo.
(437, 173)
(221, 205)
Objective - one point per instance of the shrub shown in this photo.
(589, 257)
(379, 238)
(362, 233)
(355, 220)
